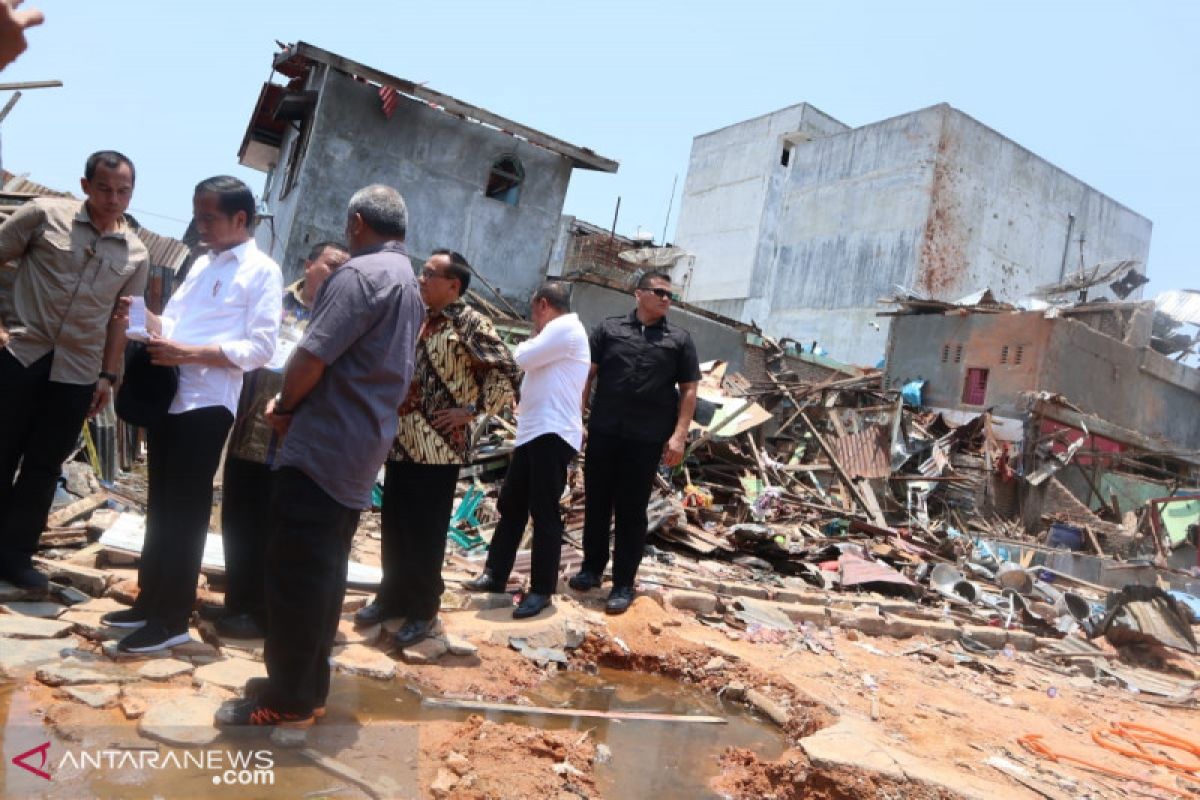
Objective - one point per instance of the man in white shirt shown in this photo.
(222, 322)
(549, 435)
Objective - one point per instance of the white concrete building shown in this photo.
(801, 224)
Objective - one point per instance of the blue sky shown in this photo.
(1106, 90)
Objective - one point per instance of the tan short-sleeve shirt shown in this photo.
(68, 278)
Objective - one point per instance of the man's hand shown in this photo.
(166, 353)
(3, 336)
(278, 422)
(13, 25)
(100, 397)
(673, 450)
(451, 420)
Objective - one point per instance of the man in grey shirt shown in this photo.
(337, 411)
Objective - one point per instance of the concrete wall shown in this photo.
(932, 201)
(730, 175)
(999, 218)
(940, 349)
(1158, 397)
(441, 165)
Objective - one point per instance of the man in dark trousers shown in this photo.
(221, 322)
(646, 373)
(549, 435)
(337, 414)
(463, 370)
(247, 481)
(62, 335)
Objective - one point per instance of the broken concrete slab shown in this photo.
(126, 591)
(13, 626)
(41, 610)
(181, 720)
(696, 602)
(232, 673)
(347, 633)
(85, 579)
(22, 656)
(164, 669)
(89, 625)
(357, 659)
(427, 651)
(857, 744)
(72, 672)
(458, 646)
(95, 695)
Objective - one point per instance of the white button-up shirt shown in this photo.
(556, 364)
(232, 299)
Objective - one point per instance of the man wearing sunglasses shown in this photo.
(645, 373)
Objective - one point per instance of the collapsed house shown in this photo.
(488, 187)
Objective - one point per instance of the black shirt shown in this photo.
(638, 369)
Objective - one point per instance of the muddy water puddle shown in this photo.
(370, 732)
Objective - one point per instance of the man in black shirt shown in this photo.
(639, 418)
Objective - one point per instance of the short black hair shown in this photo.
(321, 247)
(656, 275)
(109, 158)
(556, 293)
(459, 269)
(232, 196)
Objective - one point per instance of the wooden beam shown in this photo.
(582, 157)
(8, 87)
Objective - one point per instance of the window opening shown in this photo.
(1004, 354)
(505, 179)
(1020, 354)
(958, 354)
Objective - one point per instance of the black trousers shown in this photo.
(182, 453)
(307, 556)
(245, 528)
(417, 502)
(40, 421)
(534, 483)
(618, 476)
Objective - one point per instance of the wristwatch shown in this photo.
(110, 377)
(279, 410)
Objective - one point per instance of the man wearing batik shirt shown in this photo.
(463, 370)
(245, 514)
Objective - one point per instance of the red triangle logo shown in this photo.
(41, 750)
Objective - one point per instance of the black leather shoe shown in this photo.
(27, 578)
(486, 582)
(413, 631)
(619, 600)
(583, 580)
(240, 626)
(531, 605)
(372, 614)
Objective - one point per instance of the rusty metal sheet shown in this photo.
(864, 454)
(856, 571)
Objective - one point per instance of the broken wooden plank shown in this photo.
(847, 481)
(512, 708)
(75, 510)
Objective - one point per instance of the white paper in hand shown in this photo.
(137, 320)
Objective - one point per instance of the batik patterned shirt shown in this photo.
(461, 361)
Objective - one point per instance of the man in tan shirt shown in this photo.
(78, 264)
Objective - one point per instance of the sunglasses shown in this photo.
(663, 294)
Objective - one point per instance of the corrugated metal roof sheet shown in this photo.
(864, 454)
(1182, 305)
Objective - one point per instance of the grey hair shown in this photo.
(382, 209)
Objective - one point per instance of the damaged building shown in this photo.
(802, 224)
(1094, 393)
(475, 182)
